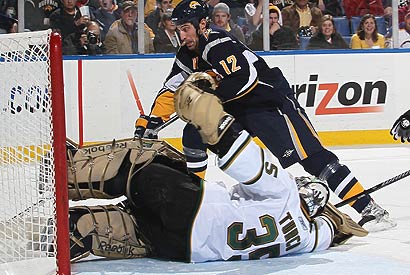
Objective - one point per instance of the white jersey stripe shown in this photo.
(343, 184)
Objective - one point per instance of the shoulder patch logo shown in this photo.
(194, 4)
(206, 34)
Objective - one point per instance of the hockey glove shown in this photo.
(145, 127)
(401, 128)
(141, 125)
(153, 123)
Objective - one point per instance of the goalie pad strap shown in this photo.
(102, 171)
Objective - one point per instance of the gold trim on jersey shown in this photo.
(164, 105)
(295, 138)
(259, 175)
(194, 216)
(316, 235)
(245, 92)
(356, 189)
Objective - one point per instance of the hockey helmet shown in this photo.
(191, 11)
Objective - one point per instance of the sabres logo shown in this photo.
(194, 4)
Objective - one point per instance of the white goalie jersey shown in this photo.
(260, 218)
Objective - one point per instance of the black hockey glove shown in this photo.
(140, 126)
(145, 127)
(401, 128)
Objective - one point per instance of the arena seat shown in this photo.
(342, 25)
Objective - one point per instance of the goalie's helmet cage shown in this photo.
(190, 11)
(33, 171)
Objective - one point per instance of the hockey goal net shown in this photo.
(33, 188)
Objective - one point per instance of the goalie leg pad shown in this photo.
(203, 110)
(103, 170)
(106, 231)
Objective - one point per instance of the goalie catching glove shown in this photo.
(401, 128)
(195, 104)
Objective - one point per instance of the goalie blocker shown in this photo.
(173, 214)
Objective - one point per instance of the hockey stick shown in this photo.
(135, 93)
(374, 188)
(166, 124)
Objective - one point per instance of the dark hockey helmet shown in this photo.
(191, 11)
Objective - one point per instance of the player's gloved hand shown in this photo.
(145, 127)
(141, 125)
(401, 128)
(153, 123)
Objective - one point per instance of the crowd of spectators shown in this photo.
(111, 26)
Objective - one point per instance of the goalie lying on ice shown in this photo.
(173, 214)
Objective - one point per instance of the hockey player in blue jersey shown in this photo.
(260, 99)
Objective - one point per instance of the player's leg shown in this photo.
(194, 150)
(291, 137)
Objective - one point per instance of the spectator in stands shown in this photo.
(122, 37)
(303, 18)
(7, 24)
(9, 8)
(106, 14)
(280, 37)
(404, 34)
(327, 36)
(404, 9)
(68, 19)
(281, 3)
(362, 7)
(221, 18)
(154, 18)
(366, 35)
(8, 16)
(236, 7)
(92, 4)
(37, 14)
(254, 9)
(86, 43)
(331, 7)
(167, 38)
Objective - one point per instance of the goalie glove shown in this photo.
(195, 104)
(401, 128)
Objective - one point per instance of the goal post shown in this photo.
(33, 173)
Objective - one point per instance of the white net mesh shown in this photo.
(27, 196)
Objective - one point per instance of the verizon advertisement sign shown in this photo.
(359, 93)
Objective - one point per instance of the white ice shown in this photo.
(386, 253)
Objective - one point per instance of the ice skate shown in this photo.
(375, 218)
